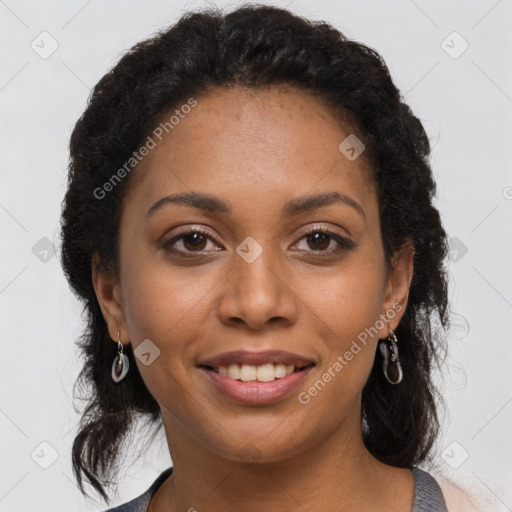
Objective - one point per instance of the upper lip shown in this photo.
(256, 358)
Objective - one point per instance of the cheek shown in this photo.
(160, 307)
(167, 305)
(348, 300)
(347, 304)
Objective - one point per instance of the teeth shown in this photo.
(233, 371)
(248, 372)
(264, 373)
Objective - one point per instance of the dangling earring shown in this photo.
(121, 363)
(391, 366)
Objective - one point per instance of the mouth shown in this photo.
(250, 365)
(256, 377)
(267, 372)
(256, 385)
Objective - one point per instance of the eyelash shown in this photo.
(343, 243)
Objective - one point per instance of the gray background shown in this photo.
(464, 99)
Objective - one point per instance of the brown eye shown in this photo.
(326, 243)
(194, 241)
(189, 242)
(319, 241)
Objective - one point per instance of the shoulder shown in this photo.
(458, 499)
(141, 503)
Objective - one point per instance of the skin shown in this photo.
(257, 150)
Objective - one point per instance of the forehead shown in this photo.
(244, 144)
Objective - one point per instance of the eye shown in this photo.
(191, 241)
(320, 239)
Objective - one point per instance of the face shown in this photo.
(274, 257)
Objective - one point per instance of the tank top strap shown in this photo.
(428, 496)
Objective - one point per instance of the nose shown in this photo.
(258, 294)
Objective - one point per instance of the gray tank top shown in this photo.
(428, 496)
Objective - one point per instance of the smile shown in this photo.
(263, 373)
(255, 385)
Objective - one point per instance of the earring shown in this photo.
(121, 363)
(391, 365)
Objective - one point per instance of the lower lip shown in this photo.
(255, 392)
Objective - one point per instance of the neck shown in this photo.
(336, 473)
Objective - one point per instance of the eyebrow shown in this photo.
(212, 204)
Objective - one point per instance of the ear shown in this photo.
(108, 292)
(397, 287)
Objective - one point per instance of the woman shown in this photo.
(249, 219)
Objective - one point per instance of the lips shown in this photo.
(257, 392)
(256, 378)
(253, 358)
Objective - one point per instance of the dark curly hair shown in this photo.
(255, 46)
